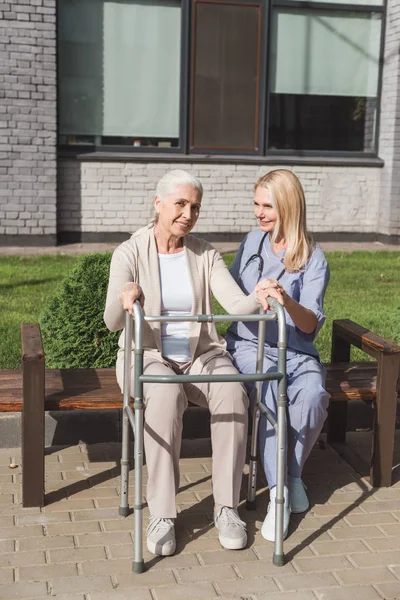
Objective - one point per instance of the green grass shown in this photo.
(364, 287)
(25, 284)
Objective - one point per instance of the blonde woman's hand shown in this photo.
(129, 294)
(272, 288)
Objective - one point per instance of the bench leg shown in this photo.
(384, 421)
(32, 421)
(337, 422)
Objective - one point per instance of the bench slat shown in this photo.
(90, 389)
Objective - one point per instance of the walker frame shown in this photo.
(135, 417)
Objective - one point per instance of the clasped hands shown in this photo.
(272, 288)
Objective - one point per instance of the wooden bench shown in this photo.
(35, 390)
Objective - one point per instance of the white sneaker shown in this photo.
(161, 536)
(232, 530)
(268, 527)
(297, 493)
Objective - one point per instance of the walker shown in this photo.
(134, 417)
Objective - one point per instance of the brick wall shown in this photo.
(389, 136)
(28, 119)
(103, 197)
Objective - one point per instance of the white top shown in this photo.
(176, 299)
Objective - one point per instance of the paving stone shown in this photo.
(65, 555)
(104, 539)
(23, 590)
(146, 579)
(6, 575)
(81, 584)
(319, 563)
(46, 572)
(206, 573)
(303, 595)
(228, 556)
(45, 543)
(6, 546)
(361, 592)
(70, 505)
(372, 559)
(371, 519)
(309, 581)
(263, 568)
(140, 594)
(363, 576)
(343, 547)
(241, 587)
(26, 531)
(18, 559)
(365, 532)
(69, 528)
(184, 592)
(389, 591)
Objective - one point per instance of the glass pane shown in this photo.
(358, 2)
(119, 69)
(225, 76)
(324, 69)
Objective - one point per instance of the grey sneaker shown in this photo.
(161, 536)
(232, 530)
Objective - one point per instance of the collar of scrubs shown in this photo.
(279, 256)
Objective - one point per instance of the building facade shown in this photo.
(100, 98)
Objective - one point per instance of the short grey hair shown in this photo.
(172, 179)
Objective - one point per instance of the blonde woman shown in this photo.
(282, 260)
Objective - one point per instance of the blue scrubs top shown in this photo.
(307, 287)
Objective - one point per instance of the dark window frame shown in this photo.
(184, 151)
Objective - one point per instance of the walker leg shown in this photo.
(138, 563)
(252, 485)
(123, 510)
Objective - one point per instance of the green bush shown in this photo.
(73, 330)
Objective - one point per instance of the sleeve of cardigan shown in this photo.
(122, 271)
(227, 292)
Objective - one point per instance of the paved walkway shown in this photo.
(347, 546)
(76, 249)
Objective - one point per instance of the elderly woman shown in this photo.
(174, 273)
(297, 275)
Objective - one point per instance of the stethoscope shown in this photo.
(257, 256)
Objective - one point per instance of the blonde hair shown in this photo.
(287, 198)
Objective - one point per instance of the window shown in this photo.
(253, 77)
(119, 71)
(225, 75)
(323, 84)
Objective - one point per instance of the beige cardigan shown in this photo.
(136, 260)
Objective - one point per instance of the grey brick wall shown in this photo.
(28, 119)
(106, 197)
(389, 135)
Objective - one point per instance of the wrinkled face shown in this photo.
(263, 210)
(179, 211)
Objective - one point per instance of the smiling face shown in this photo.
(179, 210)
(263, 209)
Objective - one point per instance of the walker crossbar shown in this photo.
(135, 419)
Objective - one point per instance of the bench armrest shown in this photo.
(346, 333)
(31, 342)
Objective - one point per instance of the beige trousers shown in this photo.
(165, 405)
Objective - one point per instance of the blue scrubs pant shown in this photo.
(307, 405)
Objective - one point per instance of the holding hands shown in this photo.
(272, 288)
(129, 294)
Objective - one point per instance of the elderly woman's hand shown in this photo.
(272, 288)
(129, 294)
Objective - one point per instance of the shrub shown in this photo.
(73, 330)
